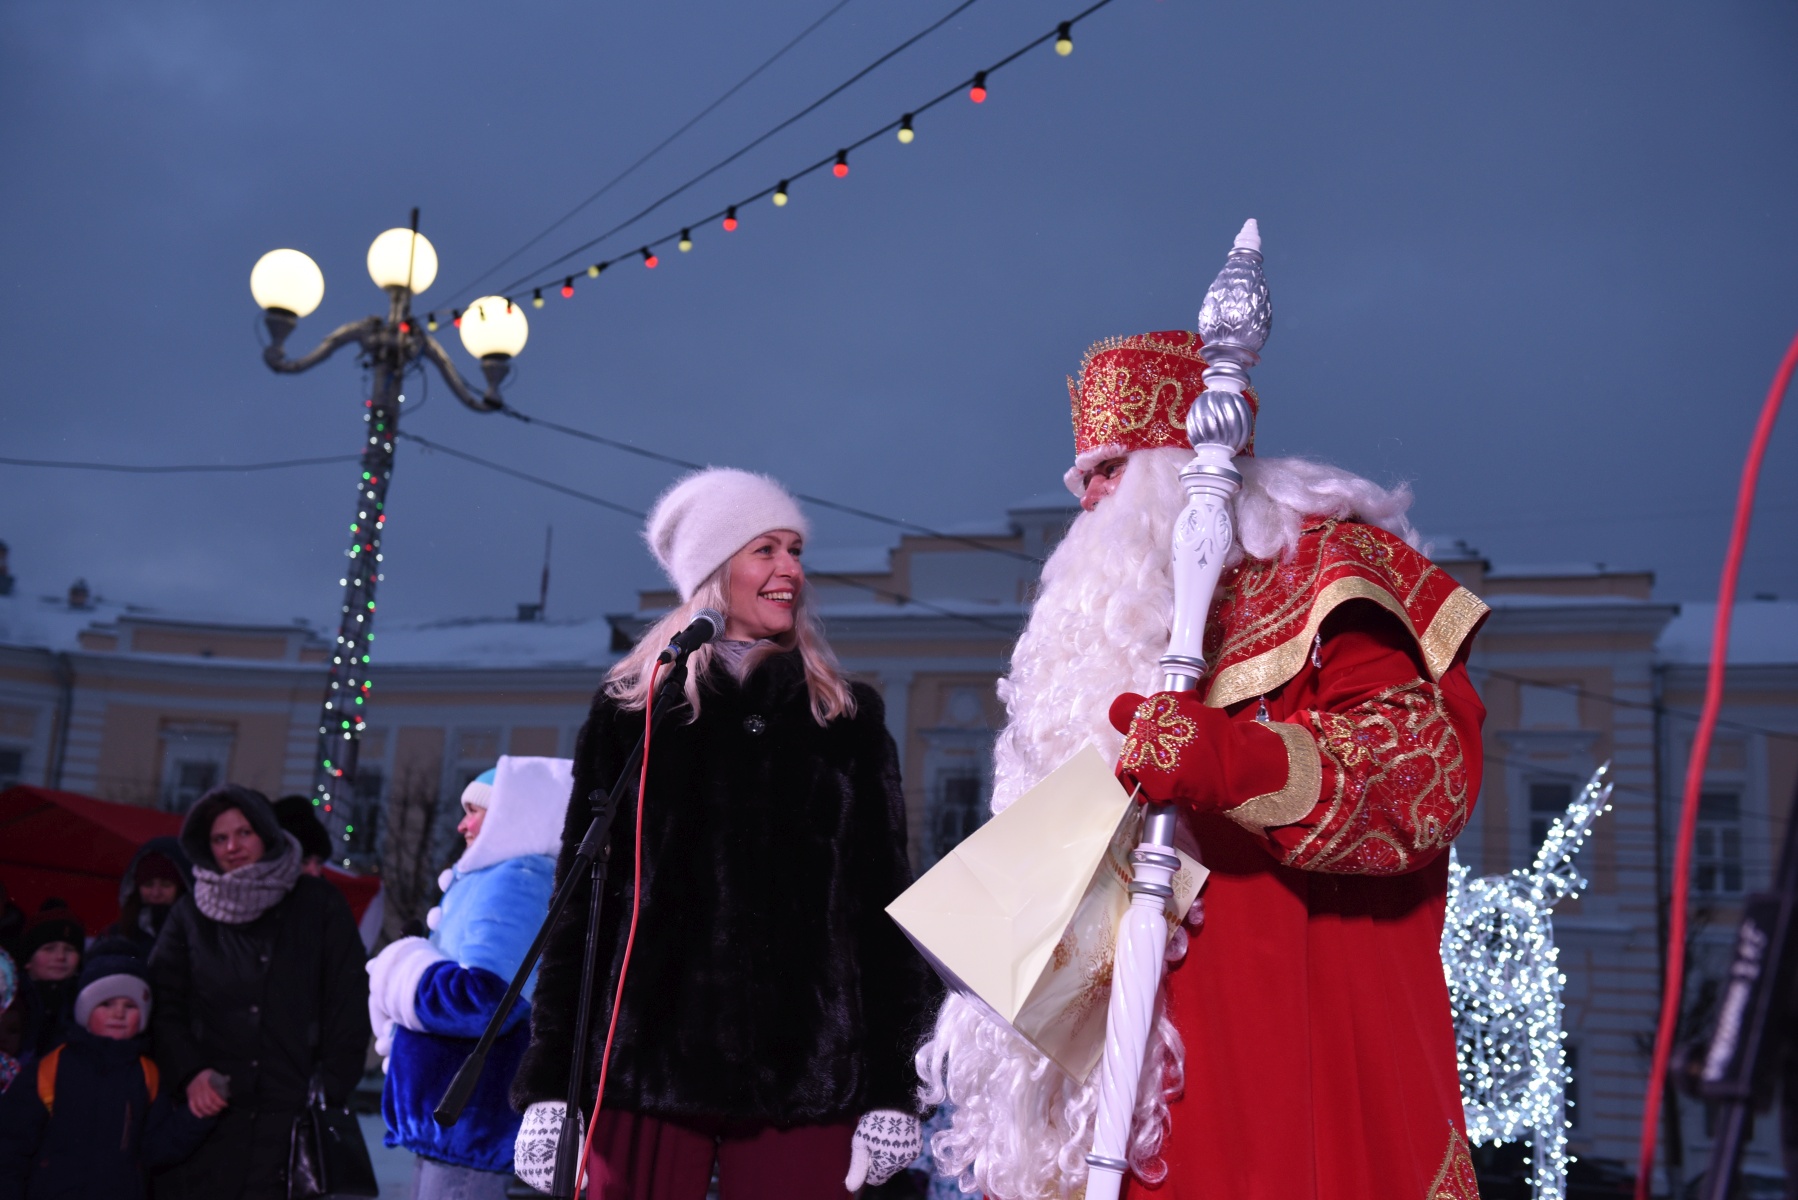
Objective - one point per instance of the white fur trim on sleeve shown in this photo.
(393, 977)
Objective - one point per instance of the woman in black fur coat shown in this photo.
(771, 1007)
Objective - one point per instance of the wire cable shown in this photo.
(1673, 987)
(630, 939)
(820, 501)
(977, 79)
(735, 155)
(186, 469)
(657, 149)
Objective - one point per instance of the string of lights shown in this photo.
(660, 146)
(1010, 629)
(740, 152)
(974, 87)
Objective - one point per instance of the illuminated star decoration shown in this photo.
(1498, 952)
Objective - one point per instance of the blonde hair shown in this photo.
(629, 679)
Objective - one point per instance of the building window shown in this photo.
(12, 766)
(1717, 846)
(195, 759)
(959, 808)
(1547, 801)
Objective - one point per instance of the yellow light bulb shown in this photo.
(906, 135)
(593, 271)
(780, 197)
(1064, 46)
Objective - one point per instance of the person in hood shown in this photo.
(297, 816)
(159, 875)
(430, 998)
(260, 990)
(50, 951)
(93, 1115)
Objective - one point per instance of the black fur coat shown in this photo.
(767, 984)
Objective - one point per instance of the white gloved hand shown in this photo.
(885, 1143)
(534, 1150)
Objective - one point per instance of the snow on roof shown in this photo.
(1761, 633)
(496, 642)
(48, 623)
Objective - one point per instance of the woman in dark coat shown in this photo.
(771, 1007)
(259, 985)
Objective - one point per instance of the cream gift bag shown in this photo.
(1023, 914)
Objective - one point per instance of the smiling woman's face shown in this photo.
(765, 580)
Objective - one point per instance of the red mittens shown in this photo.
(1178, 750)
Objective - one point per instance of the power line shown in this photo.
(185, 469)
(613, 506)
(1620, 702)
(739, 153)
(657, 149)
(838, 160)
(820, 501)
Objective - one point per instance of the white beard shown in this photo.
(1021, 1127)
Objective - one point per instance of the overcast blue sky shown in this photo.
(1540, 259)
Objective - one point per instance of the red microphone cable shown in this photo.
(630, 939)
(1674, 985)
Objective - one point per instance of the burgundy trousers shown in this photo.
(642, 1158)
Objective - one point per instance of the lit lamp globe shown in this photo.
(402, 261)
(493, 330)
(287, 282)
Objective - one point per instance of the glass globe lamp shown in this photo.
(287, 282)
(494, 327)
(400, 260)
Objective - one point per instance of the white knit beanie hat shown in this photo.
(710, 515)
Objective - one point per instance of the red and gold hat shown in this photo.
(1132, 395)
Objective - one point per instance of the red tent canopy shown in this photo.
(76, 847)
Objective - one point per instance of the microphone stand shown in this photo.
(590, 860)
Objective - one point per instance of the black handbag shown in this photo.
(327, 1156)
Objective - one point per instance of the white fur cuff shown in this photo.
(393, 977)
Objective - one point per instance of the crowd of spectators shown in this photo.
(234, 986)
(170, 1053)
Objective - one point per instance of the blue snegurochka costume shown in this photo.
(430, 998)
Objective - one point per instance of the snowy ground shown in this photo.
(393, 1167)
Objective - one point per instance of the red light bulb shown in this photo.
(842, 166)
(977, 93)
(568, 288)
(649, 260)
(730, 218)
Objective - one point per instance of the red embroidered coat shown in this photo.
(1320, 1055)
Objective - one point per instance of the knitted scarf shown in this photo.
(239, 897)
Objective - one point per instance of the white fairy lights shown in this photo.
(1505, 984)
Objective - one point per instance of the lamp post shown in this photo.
(288, 285)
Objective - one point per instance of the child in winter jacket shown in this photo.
(88, 1119)
(429, 999)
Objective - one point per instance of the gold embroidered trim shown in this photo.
(1158, 732)
(1268, 670)
(1455, 1179)
(1449, 628)
(1304, 783)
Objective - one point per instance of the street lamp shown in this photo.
(288, 285)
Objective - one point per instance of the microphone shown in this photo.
(707, 624)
